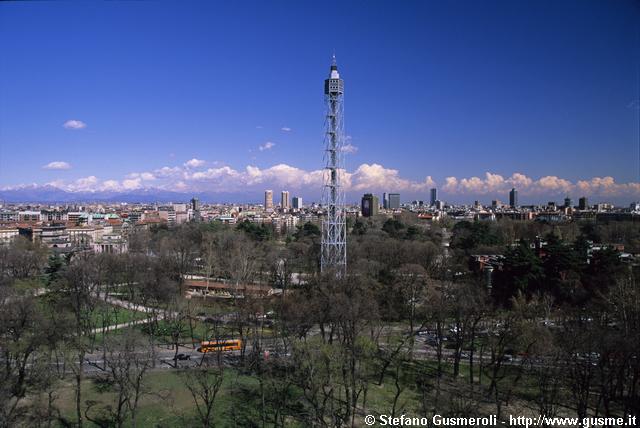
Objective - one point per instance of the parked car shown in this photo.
(507, 358)
(182, 357)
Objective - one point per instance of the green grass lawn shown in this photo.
(168, 402)
(106, 315)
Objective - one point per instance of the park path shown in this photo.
(130, 306)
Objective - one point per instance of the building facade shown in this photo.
(583, 203)
(284, 200)
(296, 202)
(393, 202)
(434, 196)
(513, 198)
(268, 199)
(369, 205)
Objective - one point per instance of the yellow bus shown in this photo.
(220, 345)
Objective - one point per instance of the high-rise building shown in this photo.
(195, 209)
(583, 203)
(567, 202)
(333, 256)
(195, 204)
(268, 199)
(296, 202)
(284, 200)
(369, 206)
(393, 202)
(434, 196)
(513, 198)
(385, 201)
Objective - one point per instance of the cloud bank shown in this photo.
(192, 176)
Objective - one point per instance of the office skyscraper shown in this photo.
(393, 202)
(567, 202)
(385, 201)
(434, 196)
(268, 199)
(583, 203)
(195, 204)
(513, 198)
(284, 200)
(195, 208)
(334, 233)
(296, 202)
(369, 205)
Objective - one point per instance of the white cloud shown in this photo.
(349, 148)
(519, 180)
(57, 165)
(376, 177)
(181, 186)
(213, 173)
(110, 185)
(450, 185)
(146, 176)
(74, 124)
(285, 129)
(167, 171)
(85, 184)
(55, 183)
(266, 146)
(132, 184)
(194, 163)
(551, 184)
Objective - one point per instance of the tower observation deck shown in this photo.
(334, 235)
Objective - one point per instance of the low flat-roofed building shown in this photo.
(8, 216)
(55, 236)
(215, 288)
(75, 216)
(8, 234)
(53, 215)
(29, 216)
(227, 219)
(84, 235)
(112, 244)
(182, 217)
(32, 233)
(169, 215)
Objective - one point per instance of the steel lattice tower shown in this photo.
(334, 235)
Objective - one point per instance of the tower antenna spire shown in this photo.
(334, 236)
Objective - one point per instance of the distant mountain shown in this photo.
(52, 194)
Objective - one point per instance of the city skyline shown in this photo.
(201, 110)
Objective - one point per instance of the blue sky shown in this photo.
(437, 93)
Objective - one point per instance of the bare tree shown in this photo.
(22, 333)
(129, 357)
(204, 384)
(76, 290)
